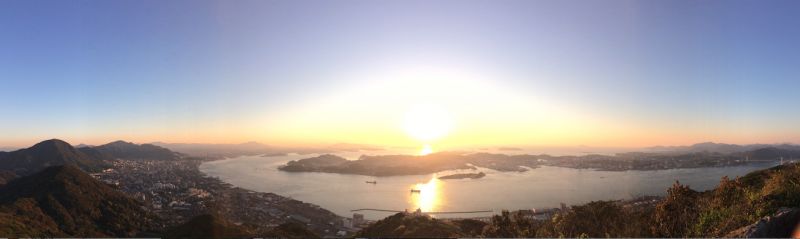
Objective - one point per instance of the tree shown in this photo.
(675, 215)
(594, 219)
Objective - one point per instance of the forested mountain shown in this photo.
(65, 201)
(214, 226)
(47, 153)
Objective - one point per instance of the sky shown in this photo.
(597, 73)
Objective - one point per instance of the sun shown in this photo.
(425, 150)
(427, 123)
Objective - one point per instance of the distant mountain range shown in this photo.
(126, 150)
(721, 148)
(255, 148)
(221, 150)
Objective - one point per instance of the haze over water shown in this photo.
(544, 187)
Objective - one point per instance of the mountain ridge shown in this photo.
(126, 150)
(720, 147)
(47, 153)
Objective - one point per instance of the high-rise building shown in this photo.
(358, 219)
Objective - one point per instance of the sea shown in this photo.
(537, 188)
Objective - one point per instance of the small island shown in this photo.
(463, 176)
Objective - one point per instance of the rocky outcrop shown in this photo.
(782, 224)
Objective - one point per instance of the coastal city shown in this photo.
(177, 191)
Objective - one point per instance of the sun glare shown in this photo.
(427, 196)
(427, 123)
(426, 150)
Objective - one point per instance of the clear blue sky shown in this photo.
(101, 70)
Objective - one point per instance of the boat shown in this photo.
(372, 182)
(415, 191)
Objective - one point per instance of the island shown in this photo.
(397, 165)
(463, 176)
(387, 165)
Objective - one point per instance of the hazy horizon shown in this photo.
(378, 148)
(450, 74)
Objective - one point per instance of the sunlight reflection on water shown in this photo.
(427, 198)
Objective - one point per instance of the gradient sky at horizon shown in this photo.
(598, 73)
